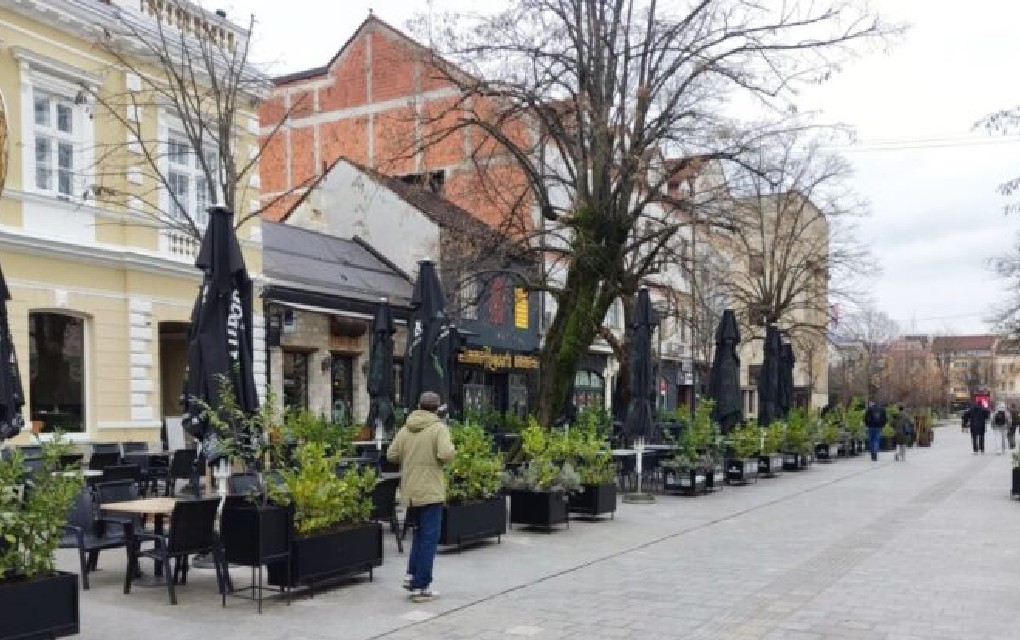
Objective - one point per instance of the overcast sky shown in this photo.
(931, 182)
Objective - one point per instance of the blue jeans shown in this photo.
(429, 519)
(874, 435)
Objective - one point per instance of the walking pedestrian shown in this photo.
(904, 430)
(421, 447)
(874, 419)
(977, 418)
(1000, 425)
(1014, 423)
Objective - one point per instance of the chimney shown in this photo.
(221, 13)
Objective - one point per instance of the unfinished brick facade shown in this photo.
(372, 104)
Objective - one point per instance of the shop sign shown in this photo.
(498, 361)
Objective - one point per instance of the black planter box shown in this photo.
(741, 470)
(794, 462)
(253, 535)
(770, 465)
(843, 448)
(886, 443)
(826, 452)
(594, 500)
(538, 508)
(688, 482)
(1014, 492)
(474, 521)
(715, 477)
(330, 557)
(42, 607)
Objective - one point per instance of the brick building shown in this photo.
(374, 103)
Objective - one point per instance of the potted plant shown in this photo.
(694, 468)
(770, 462)
(855, 427)
(332, 536)
(828, 437)
(887, 441)
(590, 456)
(474, 509)
(745, 444)
(36, 600)
(1015, 490)
(539, 489)
(798, 442)
(924, 430)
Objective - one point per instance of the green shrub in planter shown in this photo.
(587, 449)
(798, 433)
(775, 438)
(475, 473)
(746, 440)
(546, 466)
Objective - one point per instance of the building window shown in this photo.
(54, 144)
(497, 300)
(518, 394)
(589, 390)
(56, 347)
(186, 179)
(295, 380)
(430, 181)
(341, 383)
(467, 298)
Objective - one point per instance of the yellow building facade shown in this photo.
(101, 291)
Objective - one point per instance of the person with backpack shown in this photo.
(1014, 423)
(904, 431)
(874, 419)
(1000, 424)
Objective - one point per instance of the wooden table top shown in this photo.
(148, 506)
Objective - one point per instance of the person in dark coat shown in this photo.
(875, 418)
(977, 420)
(1014, 422)
(904, 430)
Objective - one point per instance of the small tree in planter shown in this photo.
(475, 510)
(745, 445)
(770, 463)
(589, 454)
(539, 489)
(925, 431)
(828, 437)
(36, 600)
(855, 426)
(888, 440)
(798, 442)
(696, 466)
(332, 535)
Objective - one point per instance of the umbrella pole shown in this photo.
(639, 497)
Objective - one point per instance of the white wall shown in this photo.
(348, 203)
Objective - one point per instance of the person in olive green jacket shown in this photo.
(421, 447)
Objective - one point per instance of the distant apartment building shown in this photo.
(968, 365)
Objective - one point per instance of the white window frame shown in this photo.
(170, 130)
(60, 82)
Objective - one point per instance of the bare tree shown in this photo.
(190, 70)
(582, 97)
(874, 330)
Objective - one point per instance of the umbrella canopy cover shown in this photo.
(640, 420)
(448, 348)
(768, 378)
(724, 378)
(380, 369)
(423, 368)
(221, 336)
(786, 364)
(12, 396)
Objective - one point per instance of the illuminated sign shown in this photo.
(498, 361)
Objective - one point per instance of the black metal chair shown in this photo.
(244, 484)
(106, 447)
(182, 467)
(192, 531)
(120, 491)
(90, 534)
(134, 447)
(34, 465)
(384, 507)
(71, 460)
(31, 450)
(100, 460)
(122, 472)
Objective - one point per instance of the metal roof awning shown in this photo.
(328, 311)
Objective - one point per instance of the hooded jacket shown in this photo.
(421, 447)
(1001, 407)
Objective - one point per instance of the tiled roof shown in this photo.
(964, 343)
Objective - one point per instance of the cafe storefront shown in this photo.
(502, 381)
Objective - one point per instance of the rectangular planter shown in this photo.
(42, 607)
(826, 452)
(886, 443)
(330, 556)
(770, 465)
(594, 500)
(715, 477)
(843, 448)
(1014, 491)
(925, 439)
(538, 508)
(253, 535)
(688, 482)
(474, 521)
(794, 462)
(741, 470)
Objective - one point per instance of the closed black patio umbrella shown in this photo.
(12, 396)
(724, 378)
(220, 336)
(448, 347)
(380, 370)
(786, 362)
(640, 420)
(768, 378)
(424, 369)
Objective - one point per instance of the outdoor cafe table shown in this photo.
(159, 508)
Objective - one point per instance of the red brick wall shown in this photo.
(379, 66)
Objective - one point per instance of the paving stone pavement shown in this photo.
(854, 550)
